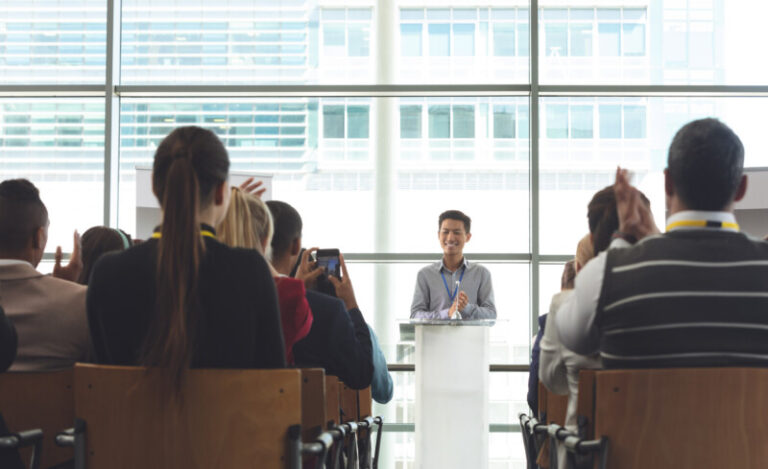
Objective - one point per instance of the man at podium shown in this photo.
(453, 288)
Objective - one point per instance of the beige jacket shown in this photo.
(49, 315)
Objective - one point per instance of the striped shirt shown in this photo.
(435, 284)
(697, 295)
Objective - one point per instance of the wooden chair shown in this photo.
(313, 403)
(225, 418)
(333, 406)
(44, 401)
(365, 422)
(552, 410)
(678, 418)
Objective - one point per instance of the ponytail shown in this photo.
(189, 164)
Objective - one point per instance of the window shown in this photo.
(610, 120)
(333, 121)
(439, 121)
(464, 40)
(463, 121)
(410, 40)
(358, 122)
(557, 121)
(439, 40)
(581, 121)
(410, 121)
(504, 121)
(504, 40)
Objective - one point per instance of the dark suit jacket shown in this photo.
(338, 341)
(239, 320)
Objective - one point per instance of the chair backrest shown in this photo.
(313, 405)
(332, 401)
(684, 417)
(348, 404)
(585, 407)
(364, 403)
(227, 418)
(552, 407)
(42, 400)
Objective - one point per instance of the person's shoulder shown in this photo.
(237, 259)
(430, 269)
(291, 287)
(324, 303)
(480, 268)
(61, 286)
(120, 263)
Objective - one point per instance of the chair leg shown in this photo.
(380, 423)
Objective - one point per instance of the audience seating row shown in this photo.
(223, 418)
(664, 418)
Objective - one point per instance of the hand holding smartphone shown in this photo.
(328, 260)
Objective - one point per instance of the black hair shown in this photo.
(603, 218)
(97, 241)
(705, 163)
(288, 226)
(22, 213)
(189, 164)
(455, 215)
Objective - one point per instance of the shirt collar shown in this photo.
(441, 265)
(701, 219)
(6, 262)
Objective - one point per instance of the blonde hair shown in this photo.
(584, 251)
(248, 223)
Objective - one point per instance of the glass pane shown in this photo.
(485, 159)
(312, 169)
(62, 42)
(439, 40)
(634, 133)
(58, 144)
(410, 121)
(665, 42)
(243, 42)
(463, 45)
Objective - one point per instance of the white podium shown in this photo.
(452, 367)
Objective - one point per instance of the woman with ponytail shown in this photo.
(558, 366)
(182, 299)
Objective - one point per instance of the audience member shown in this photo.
(8, 341)
(566, 283)
(339, 341)
(97, 241)
(248, 224)
(182, 299)
(47, 312)
(693, 296)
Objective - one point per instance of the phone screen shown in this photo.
(328, 259)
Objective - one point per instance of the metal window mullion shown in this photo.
(534, 164)
(112, 114)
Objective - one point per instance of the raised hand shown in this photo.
(635, 217)
(250, 187)
(343, 287)
(74, 267)
(308, 271)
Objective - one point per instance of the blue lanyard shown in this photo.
(452, 296)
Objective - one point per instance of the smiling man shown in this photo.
(453, 288)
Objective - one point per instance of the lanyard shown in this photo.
(158, 235)
(452, 296)
(703, 224)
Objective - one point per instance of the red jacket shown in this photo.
(294, 312)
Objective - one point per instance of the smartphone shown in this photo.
(328, 259)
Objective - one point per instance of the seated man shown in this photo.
(453, 288)
(48, 313)
(340, 340)
(696, 295)
(8, 341)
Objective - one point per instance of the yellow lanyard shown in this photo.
(158, 235)
(703, 224)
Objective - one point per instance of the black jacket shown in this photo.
(339, 341)
(240, 322)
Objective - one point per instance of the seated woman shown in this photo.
(96, 242)
(558, 366)
(248, 224)
(182, 299)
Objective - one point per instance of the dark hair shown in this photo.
(603, 218)
(288, 226)
(22, 213)
(454, 215)
(97, 241)
(705, 163)
(569, 275)
(189, 164)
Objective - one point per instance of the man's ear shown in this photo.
(742, 189)
(38, 241)
(469, 236)
(295, 246)
(669, 186)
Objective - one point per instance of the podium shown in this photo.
(452, 375)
